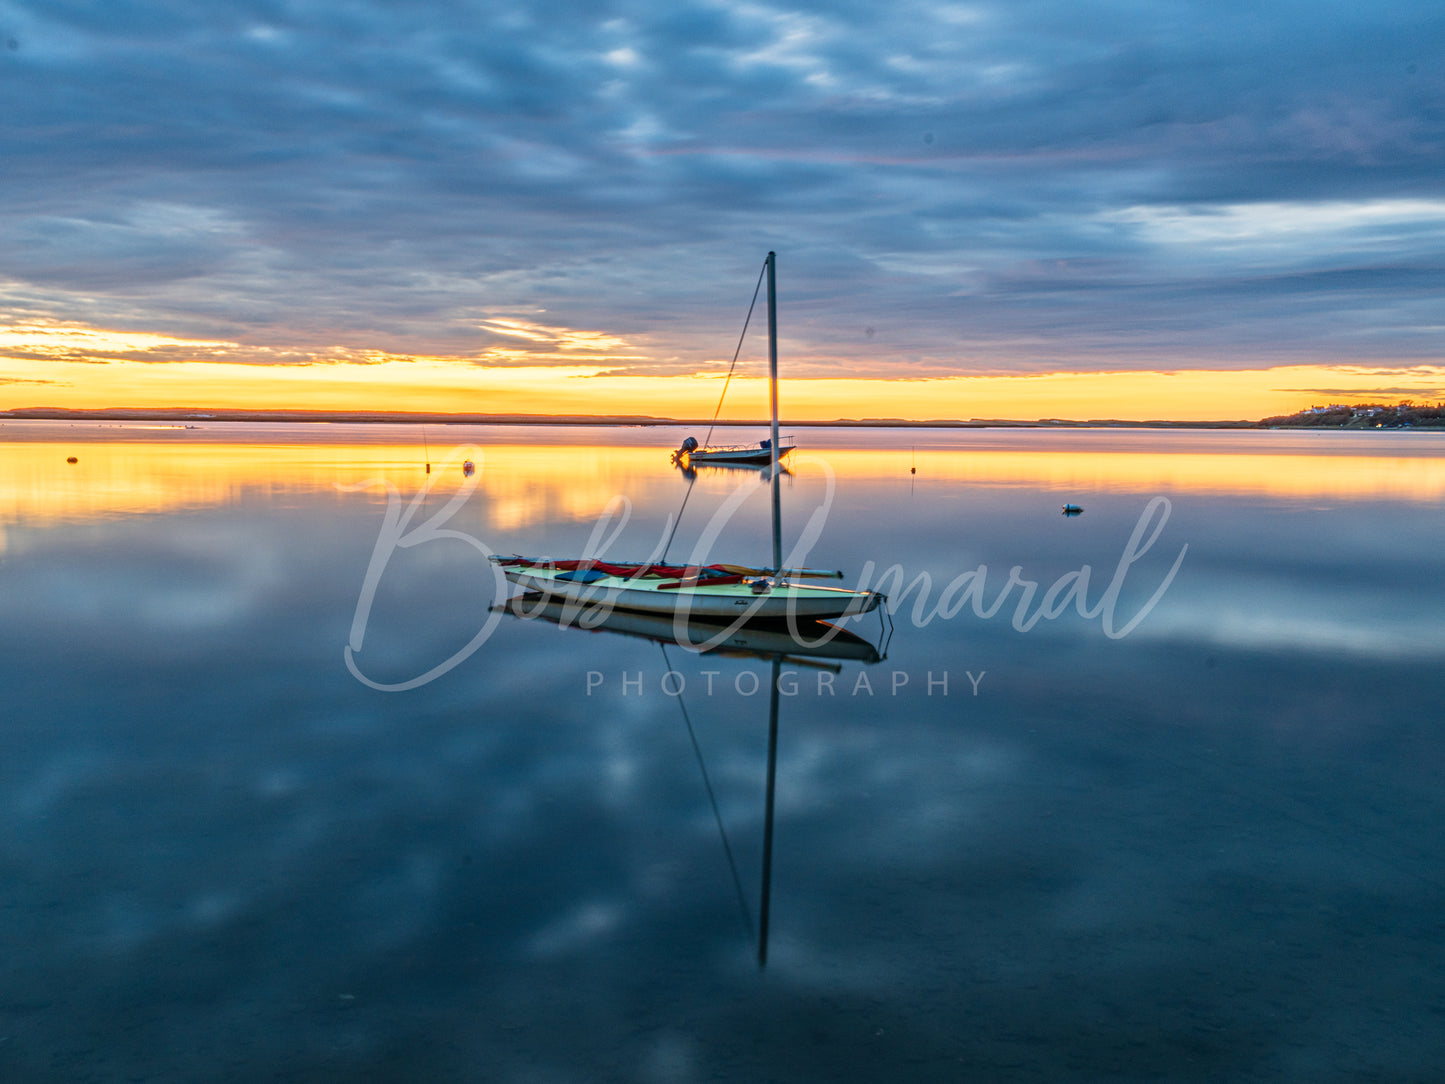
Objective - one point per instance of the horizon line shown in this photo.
(238, 414)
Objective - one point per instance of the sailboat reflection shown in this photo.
(805, 640)
(818, 644)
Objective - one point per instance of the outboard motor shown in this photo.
(689, 445)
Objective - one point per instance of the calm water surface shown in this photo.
(1210, 849)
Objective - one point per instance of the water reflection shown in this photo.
(804, 640)
(809, 643)
(1210, 850)
(690, 470)
(533, 475)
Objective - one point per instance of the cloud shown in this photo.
(1394, 393)
(986, 186)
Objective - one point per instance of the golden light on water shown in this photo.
(541, 475)
(516, 485)
(1229, 470)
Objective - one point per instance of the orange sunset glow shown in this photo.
(85, 368)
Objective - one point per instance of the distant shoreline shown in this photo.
(338, 417)
(1332, 419)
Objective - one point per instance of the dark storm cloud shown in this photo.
(983, 186)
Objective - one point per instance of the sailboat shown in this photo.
(728, 591)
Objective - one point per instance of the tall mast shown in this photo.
(773, 392)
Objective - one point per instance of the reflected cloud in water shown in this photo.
(1206, 851)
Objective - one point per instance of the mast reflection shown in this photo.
(818, 644)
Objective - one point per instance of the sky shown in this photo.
(1026, 209)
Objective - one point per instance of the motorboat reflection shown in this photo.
(690, 468)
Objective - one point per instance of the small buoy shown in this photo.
(428, 468)
(72, 459)
(1072, 510)
(912, 470)
(468, 467)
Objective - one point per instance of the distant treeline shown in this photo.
(1403, 415)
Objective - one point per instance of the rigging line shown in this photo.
(713, 424)
(717, 816)
(736, 352)
(677, 522)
